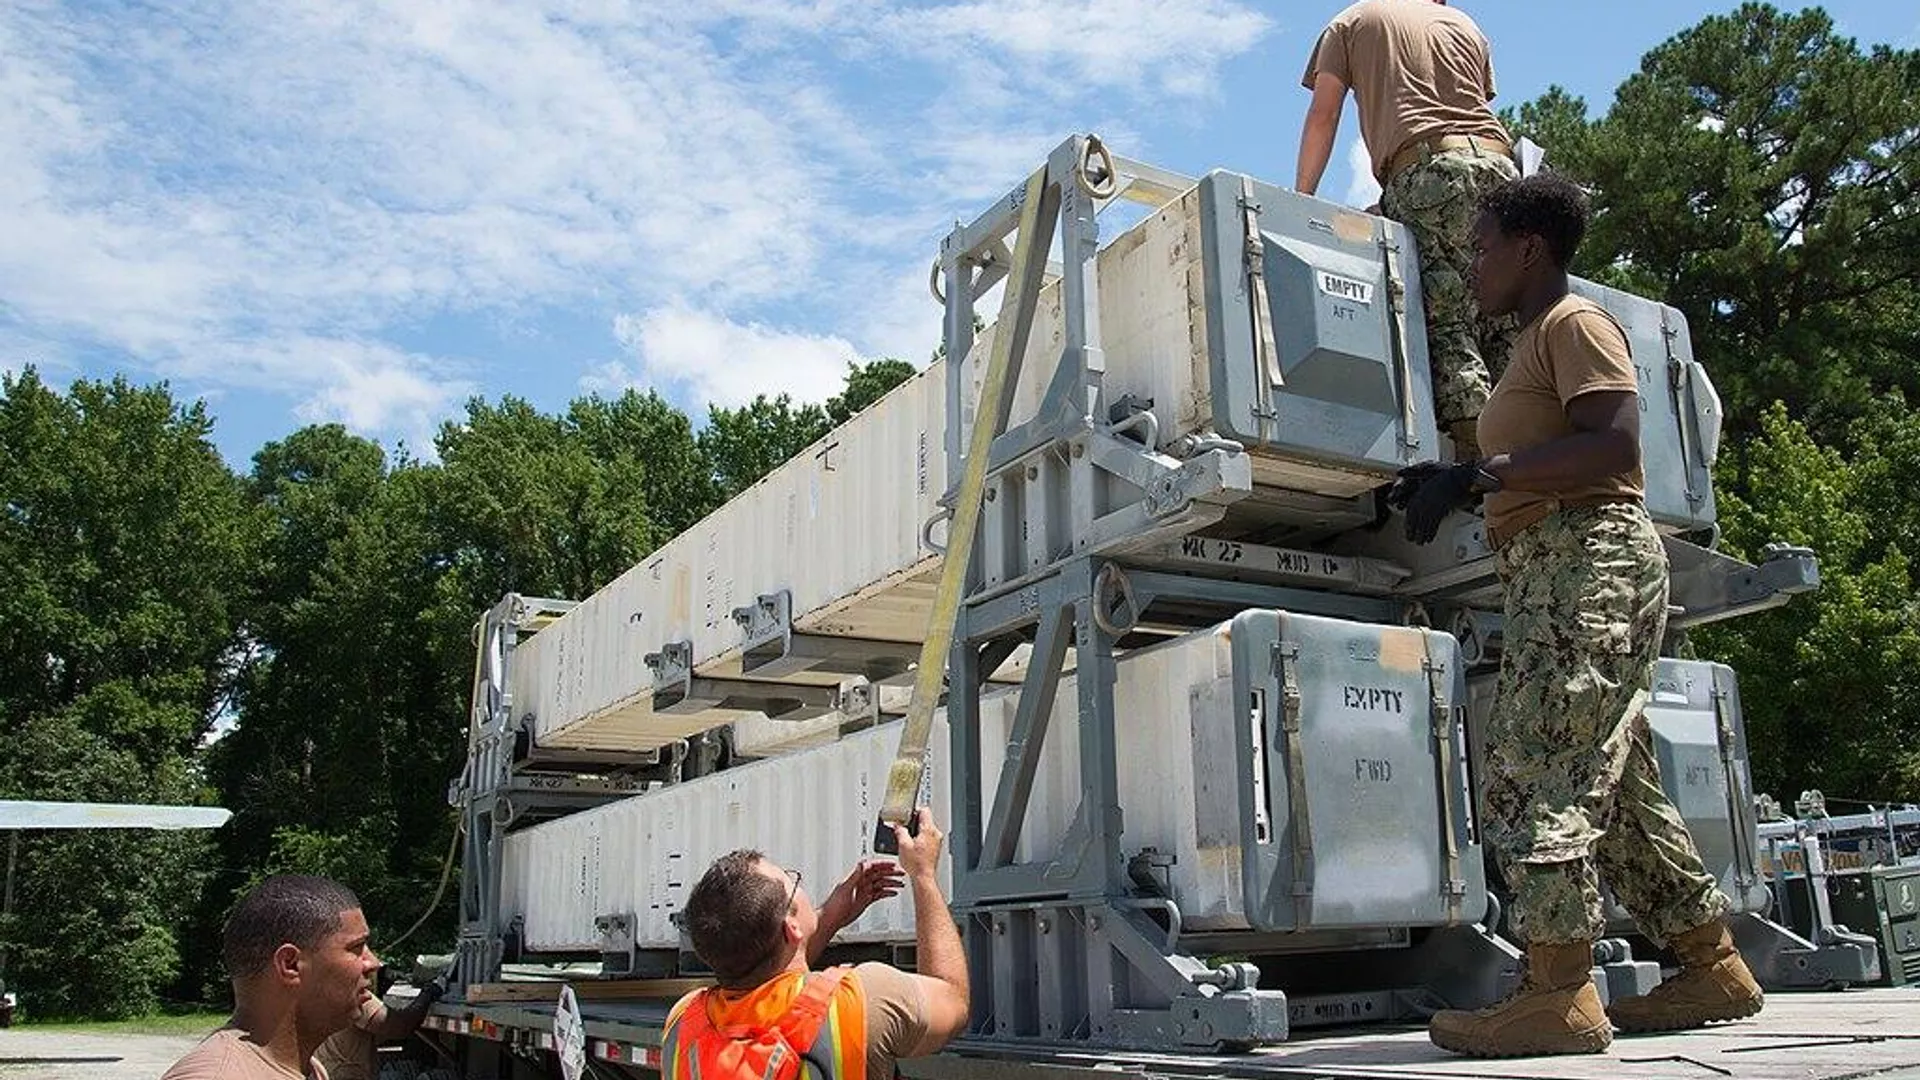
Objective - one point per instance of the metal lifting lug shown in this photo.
(674, 658)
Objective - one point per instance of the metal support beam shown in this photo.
(772, 649)
(1148, 185)
(1039, 205)
(1029, 735)
(1709, 586)
(779, 701)
(561, 759)
(1237, 560)
(803, 652)
(1162, 596)
(1055, 945)
(1783, 960)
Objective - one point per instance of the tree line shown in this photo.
(314, 614)
(1758, 173)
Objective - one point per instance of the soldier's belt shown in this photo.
(1416, 152)
(1499, 536)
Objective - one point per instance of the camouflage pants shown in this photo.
(1435, 199)
(1572, 787)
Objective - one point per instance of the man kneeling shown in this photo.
(772, 1015)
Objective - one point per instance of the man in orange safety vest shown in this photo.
(772, 1016)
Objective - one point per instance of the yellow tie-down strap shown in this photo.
(903, 779)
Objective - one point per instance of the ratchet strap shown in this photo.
(904, 777)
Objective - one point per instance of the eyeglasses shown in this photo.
(793, 894)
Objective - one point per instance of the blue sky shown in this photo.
(367, 210)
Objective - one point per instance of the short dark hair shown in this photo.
(733, 916)
(297, 909)
(1550, 207)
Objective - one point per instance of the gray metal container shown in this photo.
(1347, 384)
(1352, 772)
(1348, 381)
(1679, 409)
(1700, 741)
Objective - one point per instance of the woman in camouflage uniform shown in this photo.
(1572, 789)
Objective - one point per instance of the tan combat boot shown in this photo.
(1555, 1011)
(1713, 983)
(1466, 439)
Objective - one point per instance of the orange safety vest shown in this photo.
(778, 1030)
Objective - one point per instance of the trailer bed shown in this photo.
(1810, 1036)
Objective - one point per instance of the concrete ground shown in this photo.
(26, 1054)
(1800, 1036)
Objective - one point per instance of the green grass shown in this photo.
(183, 1024)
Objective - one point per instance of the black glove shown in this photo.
(1410, 480)
(1429, 491)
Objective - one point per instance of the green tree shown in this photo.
(1760, 173)
(533, 505)
(1829, 682)
(342, 749)
(676, 486)
(743, 444)
(126, 545)
(866, 384)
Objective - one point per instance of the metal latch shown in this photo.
(1299, 816)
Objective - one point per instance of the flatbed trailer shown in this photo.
(1804, 1036)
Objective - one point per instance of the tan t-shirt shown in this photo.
(1575, 347)
(896, 1016)
(1418, 70)
(351, 1054)
(228, 1054)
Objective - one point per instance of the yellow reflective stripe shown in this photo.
(837, 1044)
(676, 1055)
(672, 1054)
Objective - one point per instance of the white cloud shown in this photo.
(1362, 189)
(722, 361)
(1171, 46)
(263, 196)
(370, 387)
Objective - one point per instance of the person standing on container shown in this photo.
(1422, 74)
(1572, 789)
